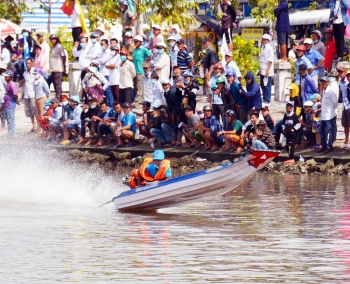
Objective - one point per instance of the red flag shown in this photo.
(67, 8)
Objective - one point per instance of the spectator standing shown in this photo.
(282, 27)
(129, 46)
(231, 66)
(29, 93)
(221, 100)
(315, 58)
(42, 93)
(40, 61)
(331, 51)
(157, 90)
(113, 67)
(139, 55)
(102, 60)
(128, 17)
(57, 65)
(211, 35)
(339, 19)
(75, 22)
(345, 117)
(80, 51)
(266, 68)
(10, 102)
(5, 54)
(328, 115)
(157, 36)
(95, 49)
(227, 20)
(31, 42)
(162, 64)
(211, 57)
(175, 32)
(147, 94)
(173, 51)
(183, 58)
(307, 85)
(319, 46)
(302, 59)
(253, 92)
(45, 50)
(127, 74)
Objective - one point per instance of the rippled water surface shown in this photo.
(275, 229)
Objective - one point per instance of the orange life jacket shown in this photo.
(145, 176)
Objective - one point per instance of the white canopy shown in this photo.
(304, 17)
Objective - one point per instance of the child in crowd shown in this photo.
(290, 126)
(295, 98)
(316, 119)
(267, 117)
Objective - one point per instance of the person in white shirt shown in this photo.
(127, 75)
(5, 54)
(84, 62)
(173, 51)
(266, 68)
(157, 90)
(95, 49)
(113, 67)
(328, 116)
(157, 36)
(175, 32)
(147, 94)
(29, 93)
(162, 64)
(75, 22)
(102, 60)
(231, 66)
(45, 50)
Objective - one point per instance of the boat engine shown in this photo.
(125, 180)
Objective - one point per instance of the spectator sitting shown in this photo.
(252, 128)
(92, 84)
(267, 117)
(126, 127)
(72, 126)
(233, 132)
(147, 94)
(162, 128)
(190, 128)
(106, 121)
(209, 130)
(264, 137)
(253, 92)
(306, 121)
(67, 110)
(89, 111)
(226, 98)
(55, 126)
(144, 124)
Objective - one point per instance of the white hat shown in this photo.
(128, 34)
(308, 104)
(171, 38)
(176, 27)
(139, 38)
(308, 41)
(161, 44)
(92, 70)
(228, 53)
(266, 36)
(156, 26)
(165, 82)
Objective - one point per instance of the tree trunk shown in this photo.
(49, 18)
(216, 3)
(138, 19)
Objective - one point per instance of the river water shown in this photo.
(275, 229)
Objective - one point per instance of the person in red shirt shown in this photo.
(331, 52)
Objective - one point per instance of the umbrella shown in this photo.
(211, 23)
(8, 28)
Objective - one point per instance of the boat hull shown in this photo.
(194, 187)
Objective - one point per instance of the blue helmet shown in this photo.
(75, 99)
(188, 73)
(124, 2)
(8, 74)
(230, 73)
(48, 102)
(158, 155)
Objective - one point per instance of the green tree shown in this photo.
(12, 10)
(263, 9)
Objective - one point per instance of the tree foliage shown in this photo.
(169, 11)
(12, 10)
(263, 9)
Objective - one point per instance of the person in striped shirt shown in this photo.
(184, 59)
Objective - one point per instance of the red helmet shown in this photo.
(220, 66)
(329, 30)
(123, 52)
(301, 47)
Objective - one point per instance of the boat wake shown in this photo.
(35, 175)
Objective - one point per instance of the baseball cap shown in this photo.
(55, 100)
(324, 78)
(161, 44)
(302, 67)
(228, 53)
(171, 38)
(180, 41)
(146, 64)
(231, 73)
(308, 41)
(138, 38)
(264, 106)
(128, 34)
(317, 32)
(40, 34)
(155, 26)
(342, 68)
(188, 108)
(206, 39)
(313, 97)
(165, 82)
(266, 36)
(308, 103)
(126, 105)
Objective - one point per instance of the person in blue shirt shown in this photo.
(154, 168)
(253, 92)
(315, 58)
(282, 27)
(241, 102)
(126, 127)
(302, 59)
(104, 121)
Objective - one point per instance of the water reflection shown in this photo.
(276, 229)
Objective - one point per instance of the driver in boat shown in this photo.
(152, 169)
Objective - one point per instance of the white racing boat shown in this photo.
(196, 186)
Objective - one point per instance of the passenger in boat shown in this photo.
(152, 169)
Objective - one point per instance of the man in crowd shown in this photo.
(73, 123)
(45, 50)
(231, 66)
(57, 64)
(345, 117)
(307, 85)
(302, 59)
(162, 64)
(29, 93)
(319, 46)
(128, 17)
(227, 20)
(102, 60)
(282, 27)
(126, 127)
(75, 22)
(183, 58)
(253, 92)
(331, 51)
(266, 68)
(315, 58)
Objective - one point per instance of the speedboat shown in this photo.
(196, 186)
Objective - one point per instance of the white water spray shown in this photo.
(33, 176)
